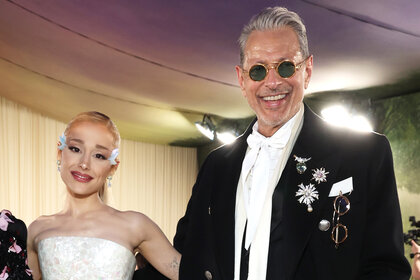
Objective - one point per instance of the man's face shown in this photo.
(275, 100)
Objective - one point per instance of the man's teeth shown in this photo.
(273, 98)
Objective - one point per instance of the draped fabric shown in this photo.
(153, 179)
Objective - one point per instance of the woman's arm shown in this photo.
(416, 260)
(32, 253)
(158, 251)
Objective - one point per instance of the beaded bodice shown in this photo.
(77, 258)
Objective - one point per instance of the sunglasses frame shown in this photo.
(335, 229)
(275, 65)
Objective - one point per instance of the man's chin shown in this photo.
(269, 127)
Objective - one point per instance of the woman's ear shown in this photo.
(59, 153)
(114, 167)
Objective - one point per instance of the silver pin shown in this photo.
(300, 165)
(209, 210)
(324, 225)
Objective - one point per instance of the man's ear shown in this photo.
(308, 70)
(241, 78)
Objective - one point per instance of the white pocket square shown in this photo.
(345, 186)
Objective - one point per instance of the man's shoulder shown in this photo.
(342, 135)
(228, 150)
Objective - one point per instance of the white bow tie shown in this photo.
(255, 140)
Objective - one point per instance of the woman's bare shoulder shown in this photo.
(42, 221)
(40, 225)
(133, 217)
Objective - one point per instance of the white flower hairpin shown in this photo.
(113, 156)
(62, 140)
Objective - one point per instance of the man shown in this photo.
(292, 198)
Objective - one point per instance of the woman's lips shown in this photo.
(80, 177)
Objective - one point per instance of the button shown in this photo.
(324, 225)
(208, 275)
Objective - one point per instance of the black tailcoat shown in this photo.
(298, 248)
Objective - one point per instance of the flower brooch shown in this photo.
(307, 194)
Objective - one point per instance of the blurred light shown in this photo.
(339, 116)
(336, 115)
(226, 137)
(205, 129)
(360, 123)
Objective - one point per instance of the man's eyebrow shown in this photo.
(261, 61)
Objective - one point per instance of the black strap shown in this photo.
(244, 258)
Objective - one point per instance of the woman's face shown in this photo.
(84, 161)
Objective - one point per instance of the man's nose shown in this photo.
(273, 78)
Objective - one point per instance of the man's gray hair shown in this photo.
(271, 19)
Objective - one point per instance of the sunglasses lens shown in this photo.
(341, 205)
(339, 233)
(257, 72)
(286, 69)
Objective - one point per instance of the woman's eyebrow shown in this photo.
(102, 147)
(77, 140)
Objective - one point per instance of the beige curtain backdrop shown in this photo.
(153, 179)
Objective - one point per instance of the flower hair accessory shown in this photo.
(62, 142)
(113, 156)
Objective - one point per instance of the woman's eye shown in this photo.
(74, 149)
(99, 156)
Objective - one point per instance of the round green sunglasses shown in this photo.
(286, 69)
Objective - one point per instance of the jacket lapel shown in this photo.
(223, 203)
(299, 224)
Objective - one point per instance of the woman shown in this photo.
(13, 256)
(89, 239)
(415, 250)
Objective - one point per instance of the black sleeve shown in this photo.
(383, 255)
(148, 273)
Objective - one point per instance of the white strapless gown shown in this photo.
(84, 258)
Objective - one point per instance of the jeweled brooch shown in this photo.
(300, 165)
(307, 195)
(319, 175)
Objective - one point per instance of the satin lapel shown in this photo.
(223, 203)
(299, 224)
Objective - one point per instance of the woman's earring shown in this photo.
(59, 165)
(109, 178)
